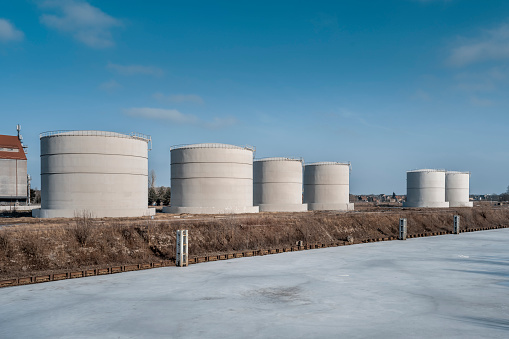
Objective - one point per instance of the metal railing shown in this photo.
(425, 170)
(281, 159)
(132, 135)
(213, 145)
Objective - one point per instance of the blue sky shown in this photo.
(388, 85)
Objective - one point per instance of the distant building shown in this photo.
(13, 171)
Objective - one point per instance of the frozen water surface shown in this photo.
(454, 286)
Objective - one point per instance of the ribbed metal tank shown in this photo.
(103, 174)
(211, 179)
(278, 185)
(457, 187)
(327, 186)
(426, 188)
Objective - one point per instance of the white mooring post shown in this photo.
(456, 224)
(182, 252)
(402, 229)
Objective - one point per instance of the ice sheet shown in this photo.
(453, 286)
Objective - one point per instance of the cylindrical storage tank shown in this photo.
(457, 187)
(426, 188)
(211, 179)
(278, 185)
(327, 186)
(101, 174)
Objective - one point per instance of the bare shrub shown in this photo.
(82, 227)
(4, 242)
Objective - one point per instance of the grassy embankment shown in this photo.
(30, 246)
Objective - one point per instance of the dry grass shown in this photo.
(62, 244)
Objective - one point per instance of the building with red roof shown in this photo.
(13, 170)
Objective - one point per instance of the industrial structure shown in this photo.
(457, 187)
(278, 185)
(102, 174)
(14, 179)
(327, 186)
(211, 178)
(426, 188)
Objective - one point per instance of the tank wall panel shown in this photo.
(426, 194)
(277, 171)
(327, 174)
(211, 170)
(93, 144)
(93, 163)
(277, 193)
(12, 170)
(211, 155)
(89, 190)
(330, 194)
(211, 192)
(425, 179)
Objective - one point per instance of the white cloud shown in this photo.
(325, 22)
(173, 115)
(135, 69)
(492, 45)
(163, 114)
(178, 98)
(8, 32)
(481, 102)
(483, 81)
(86, 23)
(221, 122)
(110, 86)
(421, 95)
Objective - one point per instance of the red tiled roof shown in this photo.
(11, 142)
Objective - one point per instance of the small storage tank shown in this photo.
(457, 187)
(426, 188)
(211, 179)
(103, 174)
(327, 186)
(278, 185)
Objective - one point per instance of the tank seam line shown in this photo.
(122, 155)
(276, 182)
(93, 173)
(211, 178)
(210, 162)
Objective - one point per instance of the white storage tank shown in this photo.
(426, 188)
(103, 174)
(278, 185)
(327, 186)
(457, 187)
(211, 179)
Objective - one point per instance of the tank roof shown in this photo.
(213, 145)
(328, 163)
(132, 135)
(279, 159)
(426, 170)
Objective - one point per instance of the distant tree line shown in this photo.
(35, 196)
(494, 196)
(159, 195)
